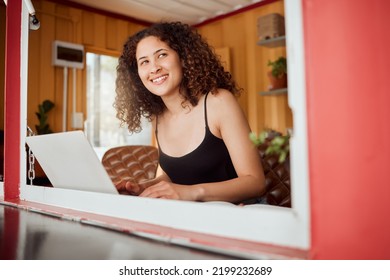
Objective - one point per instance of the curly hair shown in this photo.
(202, 73)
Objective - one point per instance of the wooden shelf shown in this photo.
(273, 42)
(279, 91)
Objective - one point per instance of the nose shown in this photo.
(155, 68)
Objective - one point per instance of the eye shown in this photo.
(161, 55)
(143, 62)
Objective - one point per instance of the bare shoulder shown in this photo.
(222, 101)
(223, 106)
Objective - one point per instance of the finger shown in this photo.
(153, 193)
(149, 193)
(160, 192)
(120, 186)
(132, 188)
(153, 190)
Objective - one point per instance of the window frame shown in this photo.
(260, 224)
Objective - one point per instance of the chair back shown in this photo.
(134, 163)
(277, 179)
(277, 176)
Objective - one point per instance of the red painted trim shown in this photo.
(11, 234)
(12, 99)
(186, 238)
(244, 9)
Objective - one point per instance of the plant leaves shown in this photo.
(47, 105)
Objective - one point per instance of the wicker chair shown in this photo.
(277, 178)
(131, 163)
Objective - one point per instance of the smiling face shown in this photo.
(159, 66)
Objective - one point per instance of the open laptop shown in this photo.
(70, 162)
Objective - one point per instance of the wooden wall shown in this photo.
(97, 32)
(249, 65)
(105, 34)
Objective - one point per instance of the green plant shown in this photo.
(278, 67)
(278, 144)
(43, 109)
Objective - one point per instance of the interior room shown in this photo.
(325, 172)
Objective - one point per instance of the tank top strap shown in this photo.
(205, 111)
(156, 133)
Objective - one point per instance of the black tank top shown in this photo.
(209, 162)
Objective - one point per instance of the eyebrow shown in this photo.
(159, 50)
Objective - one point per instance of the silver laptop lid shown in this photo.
(70, 162)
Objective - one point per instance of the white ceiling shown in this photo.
(188, 11)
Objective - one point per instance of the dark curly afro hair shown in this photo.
(202, 73)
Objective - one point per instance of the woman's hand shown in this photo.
(170, 190)
(131, 187)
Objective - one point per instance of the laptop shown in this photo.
(70, 162)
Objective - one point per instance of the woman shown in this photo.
(170, 75)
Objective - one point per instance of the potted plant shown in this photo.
(276, 143)
(278, 73)
(43, 110)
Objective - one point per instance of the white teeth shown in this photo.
(159, 79)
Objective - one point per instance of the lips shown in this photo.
(160, 79)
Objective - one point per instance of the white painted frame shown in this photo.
(261, 223)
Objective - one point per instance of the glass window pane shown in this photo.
(102, 127)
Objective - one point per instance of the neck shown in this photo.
(175, 105)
